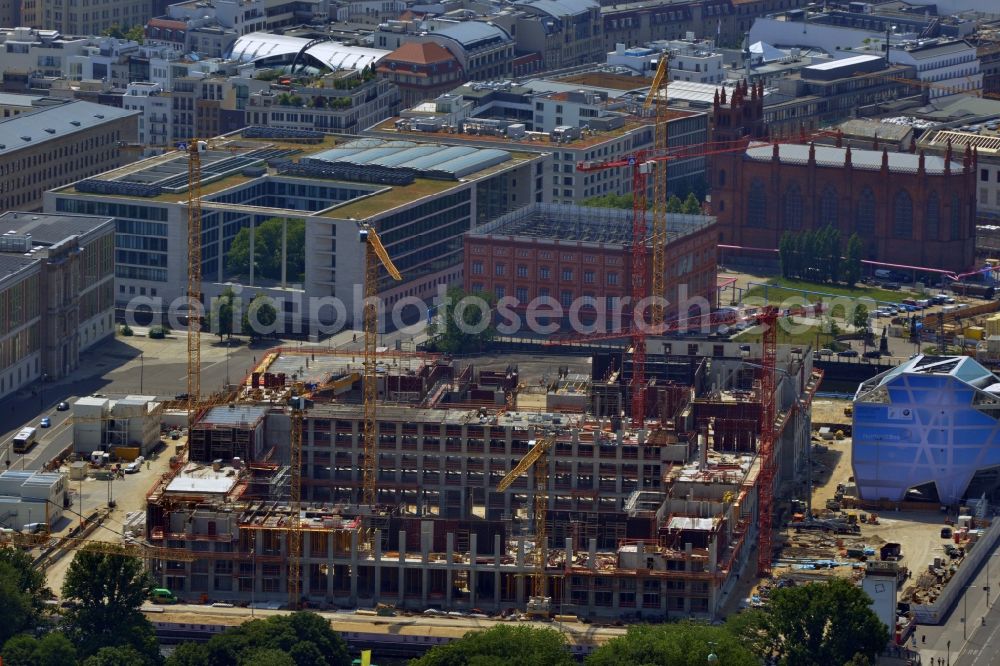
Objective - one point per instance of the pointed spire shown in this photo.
(723, 94)
(885, 160)
(921, 164)
(847, 157)
(967, 159)
(775, 152)
(812, 152)
(947, 153)
(753, 92)
(840, 138)
(875, 142)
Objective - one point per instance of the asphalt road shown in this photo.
(947, 642)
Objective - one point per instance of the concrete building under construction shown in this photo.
(655, 521)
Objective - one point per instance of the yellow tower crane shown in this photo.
(538, 456)
(194, 150)
(375, 255)
(295, 505)
(661, 141)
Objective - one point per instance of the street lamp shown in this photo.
(949, 652)
(712, 657)
(965, 609)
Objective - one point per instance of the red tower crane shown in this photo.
(765, 495)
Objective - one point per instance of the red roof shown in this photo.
(420, 54)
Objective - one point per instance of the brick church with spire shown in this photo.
(908, 209)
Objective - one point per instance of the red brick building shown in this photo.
(567, 252)
(908, 208)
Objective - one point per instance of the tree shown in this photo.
(623, 201)
(821, 624)
(680, 644)
(674, 204)
(299, 639)
(259, 317)
(17, 612)
(121, 655)
(110, 589)
(502, 645)
(852, 260)
(464, 322)
(786, 247)
(267, 250)
(691, 205)
(861, 317)
(221, 316)
(136, 34)
(55, 650)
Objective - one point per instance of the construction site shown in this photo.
(616, 519)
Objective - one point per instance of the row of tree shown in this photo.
(256, 319)
(818, 624)
(816, 255)
(689, 206)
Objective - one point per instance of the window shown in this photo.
(956, 216)
(566, 298)
(477, 268)
(612, 279)
(828, 208)
(500, 270)
(756, 205)
(588, 277)
(500, 292)
(902, 215)
(793, 207)
(522, 294)
(866, 214)
(567, 274)
(522, 271)
(984, 175)
(544, 273)
(932, 225)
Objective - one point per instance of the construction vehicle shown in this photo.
(539, 605)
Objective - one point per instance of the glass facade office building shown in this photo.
(928, 429)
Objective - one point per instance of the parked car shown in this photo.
(133, 467)
(62, 406)
(873, 354)
(848, 353)
(825, 352)
(45, 422)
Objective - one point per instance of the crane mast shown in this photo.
(194, 278)
(375, 255)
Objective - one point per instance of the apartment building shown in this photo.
(343, 102)
(484, 50)
(566, 33)
(691, 59)
(58, 145)
(983, 139)
(574, 123)
(56, 292)
(421, 71)
(93, 18)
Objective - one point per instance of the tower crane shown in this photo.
(294, 533)
(537, 456)
(642, 164)
(661, 143)
(375, 255)
(194, 150)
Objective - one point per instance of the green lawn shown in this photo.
(784, 288)
(813, 336)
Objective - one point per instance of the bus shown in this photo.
(24, 440)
